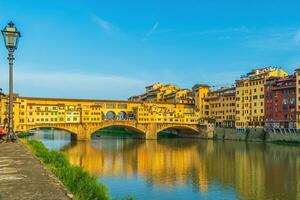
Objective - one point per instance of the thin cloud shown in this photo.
(75, 85)
(242, 29)
(286, 40)
(104, 24)
(297, 36)
(151, 31)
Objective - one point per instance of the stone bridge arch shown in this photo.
(83, 131)
(131, 125)
(70, 129)
(194, 129)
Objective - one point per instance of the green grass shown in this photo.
(80, 183)
(25, 134)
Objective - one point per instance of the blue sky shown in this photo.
(112, 49)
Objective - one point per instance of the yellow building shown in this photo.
(167, 113)
(200, 92)
(180, 96)
(154, 92)
(222, 107)
(297, 74)
(159, 92)
(31, 111)
(166, 90)
(136, 98)
(250, 96)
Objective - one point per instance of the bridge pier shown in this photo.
(83, 132)
(151, 131)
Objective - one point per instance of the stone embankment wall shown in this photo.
(256, 134)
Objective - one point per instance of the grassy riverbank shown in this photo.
(24, 134)
(79, 182)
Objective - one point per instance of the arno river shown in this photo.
(185, 168)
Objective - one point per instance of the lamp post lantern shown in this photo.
(11, 38)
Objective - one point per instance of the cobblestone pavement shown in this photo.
(22, 176)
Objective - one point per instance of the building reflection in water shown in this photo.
(53, 139)
(256, 171)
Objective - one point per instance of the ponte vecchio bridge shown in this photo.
(83, 117)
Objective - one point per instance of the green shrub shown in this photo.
(82, 185)
(24, 134)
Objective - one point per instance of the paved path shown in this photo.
(22, 176)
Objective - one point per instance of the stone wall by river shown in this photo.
(256, 134)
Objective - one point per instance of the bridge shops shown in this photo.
(77, 115)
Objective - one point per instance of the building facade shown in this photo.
(166, 113)
(250, 96)
(222, 107)
(265, 97)
(159, 92)
(297, 74)
(31, 111)
(200, 92)
(280, 102)
(180, 96)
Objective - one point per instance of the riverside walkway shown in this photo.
(22, 176)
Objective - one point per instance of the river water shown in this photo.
(185, 168)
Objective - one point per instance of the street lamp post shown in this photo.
(11, 38)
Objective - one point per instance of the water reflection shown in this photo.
(191, 169)
(53, 139)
